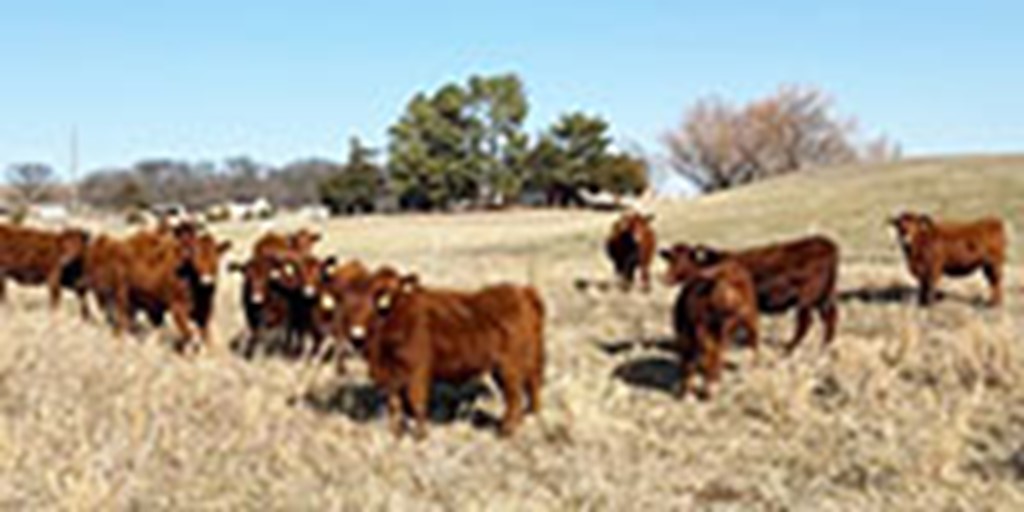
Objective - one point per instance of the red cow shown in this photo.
(630, 246)
(414, 335)
(710, 307)
(282, 287)
(157, 273)
(34, 257)
(800, 274)
(933, 249)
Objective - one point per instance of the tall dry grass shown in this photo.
(909, 409)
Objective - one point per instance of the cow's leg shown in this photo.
(418, 395)
(829, 315)
(803, 324)
(179, 312)
(395, 411)
(512, 388)
(534, 382)
(711, 361)
(926, 294)
(686, 365)
(83, 303)
(340, 355)
(628, 277)
(994, 276)
(316, 346)
(205, 334)
(122, 309)
(645, 278)
(749, 324)
(53, 283)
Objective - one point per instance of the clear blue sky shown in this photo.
(213, 79)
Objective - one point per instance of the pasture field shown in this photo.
(909, 409)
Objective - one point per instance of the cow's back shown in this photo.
(973, 243)
(463, 334)
(27, 255)
(787, 273)
(106, 264)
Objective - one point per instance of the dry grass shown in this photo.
(909, 410)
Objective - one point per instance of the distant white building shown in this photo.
(50, 213)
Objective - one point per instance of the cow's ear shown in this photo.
(927, 222)
(224, 247)
(234, 266)
(328, 266)
(315, 236)
(667, 254)
(410, 283)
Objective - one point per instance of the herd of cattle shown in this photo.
(412, 335)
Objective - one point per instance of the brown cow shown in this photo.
(302, 241)
(710, 307)
(630, 246)
(282, 287)
(798, 274)
(342, 285)
(414, 335)
(156, 272)
(34, 257)
(933, 249)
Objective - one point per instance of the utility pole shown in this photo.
(73, 167)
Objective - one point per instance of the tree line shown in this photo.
(465, 146)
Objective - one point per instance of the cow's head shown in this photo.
(256, 273)
(73, 243)
(686, 261)
(298, 273)
(342, 284)
(374, 300)
(911, 228)
(631, 222)
(303, 240)
(201, 253)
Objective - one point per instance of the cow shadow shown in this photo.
(904, 294)
(889, 294)
(616, 347)
(659, 373)
(364, 403)
(272, 344)
(656, 368)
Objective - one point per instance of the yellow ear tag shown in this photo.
(384, 302)
(289, 271)
(327, 302)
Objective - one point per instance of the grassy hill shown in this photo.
(909, 409)
(852, 203)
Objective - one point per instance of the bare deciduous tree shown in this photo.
(720, 145)
(31, 181)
